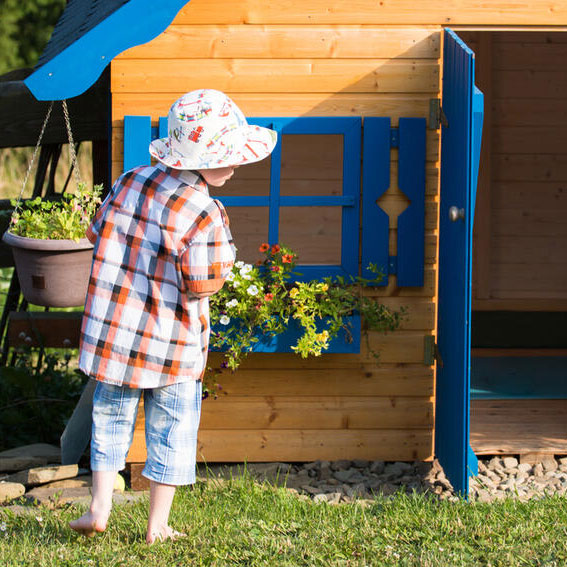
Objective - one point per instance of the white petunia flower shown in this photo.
(230, 276)
(246, 269)
(239, 264)
(232, 303)
(252, 290)
(224, 320)
(235, 283)
(246, 276)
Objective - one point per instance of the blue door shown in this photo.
(461, 133)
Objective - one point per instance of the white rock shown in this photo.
(10, 491)
(510, 462)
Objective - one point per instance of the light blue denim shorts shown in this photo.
(172, 422)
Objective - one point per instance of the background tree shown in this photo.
(25, 29)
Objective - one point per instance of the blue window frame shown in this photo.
(349, 200)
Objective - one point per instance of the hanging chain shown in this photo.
(74, 163)
(32, 161)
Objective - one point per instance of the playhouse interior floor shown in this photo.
(518, 427)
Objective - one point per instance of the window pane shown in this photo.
(312, 164)
(249, 227)
(252, 179)
(314, 233)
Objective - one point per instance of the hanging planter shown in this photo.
(48, 240)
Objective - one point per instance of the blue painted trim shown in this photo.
(411, 181)
(162, 131)
(244, 201)
(137, 138)
(287, 339)
(78, 67)
(275, 175)
(319, 201)
(472, 464)
(305, 273)
(375, 182)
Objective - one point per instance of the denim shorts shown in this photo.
(172, 422)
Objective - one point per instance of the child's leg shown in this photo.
(95, 519)
(114, 416)
(172, 421)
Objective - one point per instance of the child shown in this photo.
(162, 246)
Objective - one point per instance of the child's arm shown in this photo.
(209, 257)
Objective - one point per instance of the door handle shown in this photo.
(455, 214)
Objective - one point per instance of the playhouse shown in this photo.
(380, 127)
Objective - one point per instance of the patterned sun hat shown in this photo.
(206, 130)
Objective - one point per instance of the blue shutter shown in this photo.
(460, 152)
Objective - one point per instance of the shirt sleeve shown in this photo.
(210, 255)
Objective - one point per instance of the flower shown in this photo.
(264, 247)
(268, 300)
(230, 277)
(253, 290)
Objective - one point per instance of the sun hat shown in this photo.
(206, 130)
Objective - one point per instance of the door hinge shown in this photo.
(431, 352)
(436, 115)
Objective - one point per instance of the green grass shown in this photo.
(243, 523)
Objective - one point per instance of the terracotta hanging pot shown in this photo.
(52, 273)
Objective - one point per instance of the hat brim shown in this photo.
(257, 144)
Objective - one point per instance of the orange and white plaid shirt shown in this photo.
(162, 246)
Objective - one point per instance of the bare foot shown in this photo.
(163, 534)
(88, 524)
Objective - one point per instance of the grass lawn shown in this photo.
(240, 522)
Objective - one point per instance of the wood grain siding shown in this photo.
(273, 62)
(528, 171)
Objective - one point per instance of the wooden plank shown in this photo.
(530, 112)
(490, 352)
(49, 329)
(357, 379)
(403, 12)
(276, 42)
(546, 222)
(325, 412)
(291, 104)
(530, 83)
(528, 168)
(530, 195)
(523, 55)
(529, 35)
(518, 426)
(304, 445)
(289, 75)
(534, 304)
(399, 346)
(483, 213)
(523, 280)
(530, 139)
(525, 249)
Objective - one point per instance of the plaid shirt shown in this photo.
(162, 246)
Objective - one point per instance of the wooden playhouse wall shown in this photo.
(313, 59)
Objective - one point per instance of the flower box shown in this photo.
(283, 342)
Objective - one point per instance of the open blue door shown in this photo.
(462, 105)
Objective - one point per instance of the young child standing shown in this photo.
(162, 246)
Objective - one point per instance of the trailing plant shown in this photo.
(67, 218)
(265, 299)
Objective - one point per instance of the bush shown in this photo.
(38, 394)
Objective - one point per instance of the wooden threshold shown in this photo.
(559, 304)
(519, 352)
(518, 427)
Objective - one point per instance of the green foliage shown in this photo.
(68, 218)
(238, 522)
(25, 29)
(37, 397)
(264, 299)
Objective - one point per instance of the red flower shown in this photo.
(269, 296)
(287, 258)
(264, 247)
(275, 248)
(275, 268)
